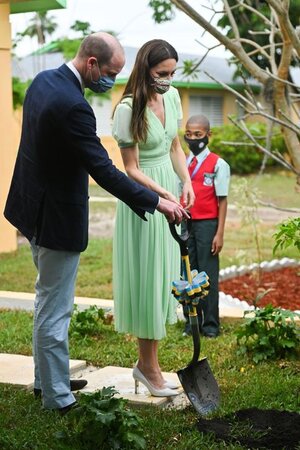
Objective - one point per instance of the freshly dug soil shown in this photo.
(285, 285)
(256, 429)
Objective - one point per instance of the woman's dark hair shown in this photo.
(139, 84)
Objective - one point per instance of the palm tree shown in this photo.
(40, 25)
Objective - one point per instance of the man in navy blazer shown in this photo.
(48, 197)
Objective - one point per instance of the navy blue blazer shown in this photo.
(59, 147)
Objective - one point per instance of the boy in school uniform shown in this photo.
(210, 177)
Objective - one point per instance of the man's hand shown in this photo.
(172, 211)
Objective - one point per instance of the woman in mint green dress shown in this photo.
(145, 256)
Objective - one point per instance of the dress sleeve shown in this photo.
(121, 125)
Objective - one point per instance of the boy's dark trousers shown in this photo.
(201, 258)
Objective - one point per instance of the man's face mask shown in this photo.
(103, 83)
(161, 85)
(197, 146)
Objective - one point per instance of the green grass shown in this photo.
(17, 272)
(277, 187)
(98, 191)
(24, 425)
(107, 208)
(239, 247)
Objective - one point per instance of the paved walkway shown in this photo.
(25, 301)
(18, 370)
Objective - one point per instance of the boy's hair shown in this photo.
(199, 119)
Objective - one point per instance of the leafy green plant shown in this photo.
(243, 159)
(288, 234)
(102, 421)
(19, 91)
(87, 322)
(271, 333)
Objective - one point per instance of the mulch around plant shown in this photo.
(256, 429)
(285, 285)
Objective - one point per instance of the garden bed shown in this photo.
(281, 277)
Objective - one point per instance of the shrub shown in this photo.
(242, 159)
(288, 234)
(271, 334)
(104, 422)
(87, 322)
(19, 91)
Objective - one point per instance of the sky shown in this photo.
(131, 19)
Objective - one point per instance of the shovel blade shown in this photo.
(200, 386)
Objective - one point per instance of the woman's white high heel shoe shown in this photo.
(139, 377)
(171, 385)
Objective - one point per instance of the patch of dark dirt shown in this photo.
(256, 429)
(284, 284)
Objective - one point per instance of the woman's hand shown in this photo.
(188, 196)
(169, 196)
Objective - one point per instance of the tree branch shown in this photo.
(257, 46)
(232, 45)
(232, 21)
(283, 10)
(271, 205)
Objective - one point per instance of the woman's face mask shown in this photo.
(161, 85)
(196, 146)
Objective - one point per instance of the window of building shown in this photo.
(210, 106)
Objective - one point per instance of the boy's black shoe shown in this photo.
(187, 330)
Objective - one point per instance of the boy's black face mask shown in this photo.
(196, 145)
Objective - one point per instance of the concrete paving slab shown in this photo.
(25, 300)
(19, 369)
(121, 379)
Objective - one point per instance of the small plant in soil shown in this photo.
(247, 197)
(102, 421)
(271, 334)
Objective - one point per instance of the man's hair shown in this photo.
(199, 119)
(96, 46)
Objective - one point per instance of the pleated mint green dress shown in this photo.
(146, 258)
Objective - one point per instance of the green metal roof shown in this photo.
(46, 48)
(17, 6)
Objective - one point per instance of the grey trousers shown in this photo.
(55, 284)
(201, 258)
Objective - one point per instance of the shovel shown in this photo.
(197, 378)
